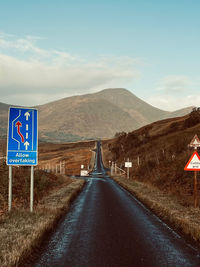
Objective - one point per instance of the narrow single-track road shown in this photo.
(108, 227)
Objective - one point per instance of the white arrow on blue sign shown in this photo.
(22, 140)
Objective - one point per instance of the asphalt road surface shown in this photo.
(108, 227)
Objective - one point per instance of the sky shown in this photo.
(55, 49)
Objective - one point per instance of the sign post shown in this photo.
(195, 190)
(10, 189)
(22, 143)
(128, 165)
(32, 189)
(194, 165)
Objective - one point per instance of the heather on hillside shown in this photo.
(159, 153)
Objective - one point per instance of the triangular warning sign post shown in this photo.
(195, 142)
(193, 163)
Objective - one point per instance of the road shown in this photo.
(108, 227)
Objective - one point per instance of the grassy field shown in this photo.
(22, 231)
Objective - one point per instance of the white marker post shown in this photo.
(10, 189)
(115, 168)
(60, 167)
(112, 167)
(63, 167)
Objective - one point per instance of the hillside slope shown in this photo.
(137, 108)
(3, 119)
(159, 152)
(88, 118)
(98, 115)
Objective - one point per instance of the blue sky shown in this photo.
(54, 49)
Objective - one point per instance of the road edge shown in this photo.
(42, 222)
(165, 208)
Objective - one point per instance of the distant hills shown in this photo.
(98, 115)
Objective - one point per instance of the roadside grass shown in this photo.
(21, 231)
(167, 207)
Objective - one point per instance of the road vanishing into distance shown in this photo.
(106, 227)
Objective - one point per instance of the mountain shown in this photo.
(181, 112)
(3, 119)
(137, 108)
(98, 115)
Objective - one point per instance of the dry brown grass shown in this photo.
(166, 207)
(74, 155)
(22, 231)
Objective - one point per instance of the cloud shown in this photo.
(174, 92)
(172, 103)
(174, 83)
(32, 75)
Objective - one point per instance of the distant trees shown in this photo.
(194, 118)
(196, 109)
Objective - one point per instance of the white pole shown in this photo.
(112, 169)
(10, 189)
(63, 167)
(115, 168)
(32, 189)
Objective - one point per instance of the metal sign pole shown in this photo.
(32, 189)
(10, 189)
(128, 171)
(195, 190)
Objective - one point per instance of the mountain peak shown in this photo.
(97, 115)
(114, 90)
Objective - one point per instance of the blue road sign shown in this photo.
(22, 136)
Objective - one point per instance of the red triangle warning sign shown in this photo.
(195, 142)
(193, 163)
